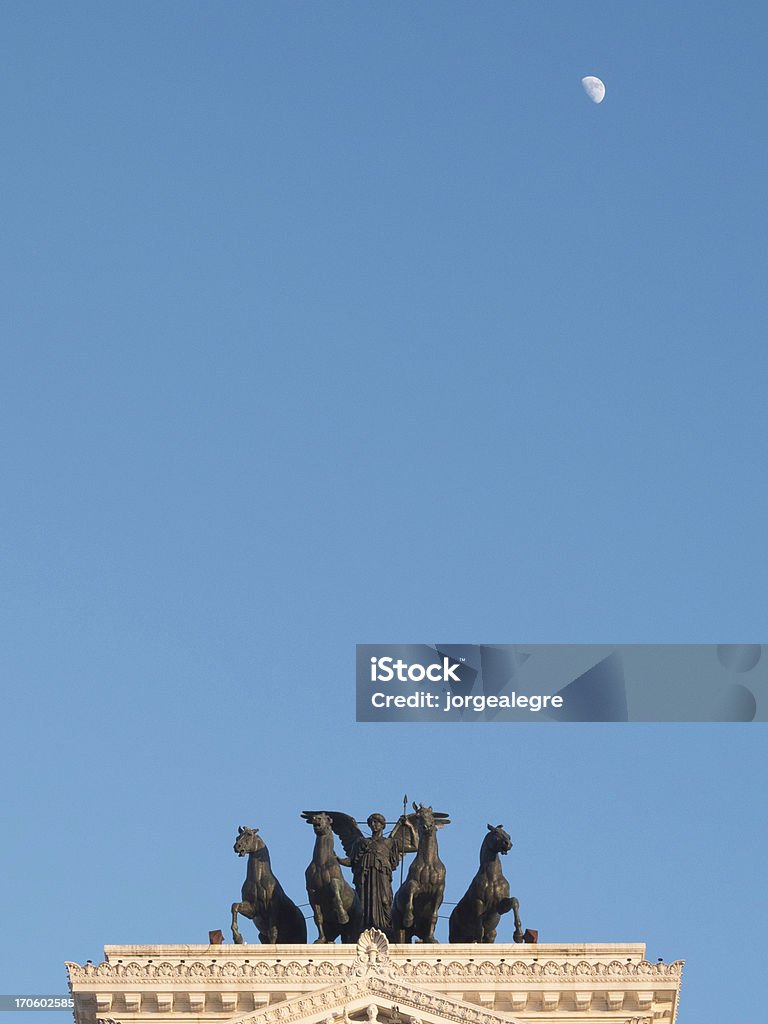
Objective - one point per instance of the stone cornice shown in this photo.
(225, 970)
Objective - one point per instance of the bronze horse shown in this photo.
(476, 916)
(264, 902)
(417, 901)
(333, 900)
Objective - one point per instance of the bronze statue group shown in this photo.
(343, 911)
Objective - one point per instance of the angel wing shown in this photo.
(342, 824)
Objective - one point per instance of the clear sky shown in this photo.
(337, 322)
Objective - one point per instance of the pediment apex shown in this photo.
(374, 1000)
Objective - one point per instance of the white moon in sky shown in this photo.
(594, 88)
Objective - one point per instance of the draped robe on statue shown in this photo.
(373, 860)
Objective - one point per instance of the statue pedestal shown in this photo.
(374, 982)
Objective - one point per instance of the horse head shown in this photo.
(428, 820)
(498, 840)
(248, 841)
(322, 824)
(425, 819)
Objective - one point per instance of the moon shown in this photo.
(594, 88)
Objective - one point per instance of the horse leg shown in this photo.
(317, 910)
(338, 903)
(430, 937)
(478, 921)
(247, 911)
(269, 938)
(408, 910)
(398, 932)
(515, 905)
(455, 922)
(490, 924)
(351, 931)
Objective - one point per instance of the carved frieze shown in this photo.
(296, 972)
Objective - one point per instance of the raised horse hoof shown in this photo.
(343, 917)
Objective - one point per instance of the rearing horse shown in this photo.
(417, 901)
(476, 916)
(333, 900)
(264, 902)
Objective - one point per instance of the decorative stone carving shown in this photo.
(374, 956)
(373, 947)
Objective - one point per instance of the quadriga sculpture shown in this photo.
(476, 916)
(264, 902)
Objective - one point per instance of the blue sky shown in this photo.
(338, 323)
